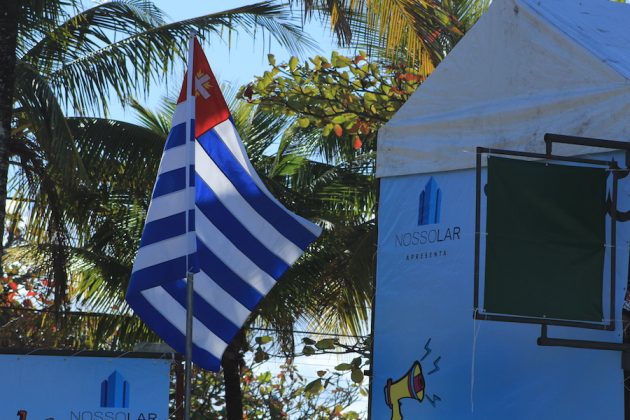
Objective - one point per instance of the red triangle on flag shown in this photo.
(210, 106)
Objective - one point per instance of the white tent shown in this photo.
(526, 68)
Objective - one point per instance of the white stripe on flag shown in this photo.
(231, 256)
(167, 205)
(227, 132)
(175, 313)
(241, 209)
(181, 114)
(173, 158)
(162, 251)
(219, 299)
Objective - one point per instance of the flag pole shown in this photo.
(190, 98)
(188, 363)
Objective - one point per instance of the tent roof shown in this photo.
(528, 67)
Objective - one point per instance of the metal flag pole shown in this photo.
(188, 363)
(190, 98)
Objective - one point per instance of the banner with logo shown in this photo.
(432, 360)
(83, 388)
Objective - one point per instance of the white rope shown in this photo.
(476, 328)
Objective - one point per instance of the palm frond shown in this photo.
(46, 121)
(159, 122)
(38, 18)
(417, 32)
(86, 66)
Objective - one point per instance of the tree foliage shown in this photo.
(346, 98)
(285, 393)
(420, 33)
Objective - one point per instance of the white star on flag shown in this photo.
(199, 85)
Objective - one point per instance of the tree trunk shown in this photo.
(232, 362)
(8, 39)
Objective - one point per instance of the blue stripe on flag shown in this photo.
(206, 314)
(164, 228)
(156, 275)
(220, 216)
(176, 137)
(191, 220)
(277, 216)
(171, 335)
(226, 278)
(191, 175)
(169, 182)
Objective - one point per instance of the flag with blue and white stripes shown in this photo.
(210, 214)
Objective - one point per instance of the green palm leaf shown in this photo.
(416, 32)
(120, 47)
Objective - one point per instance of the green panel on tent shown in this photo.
(545, 240)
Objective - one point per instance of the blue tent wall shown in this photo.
(475, 369)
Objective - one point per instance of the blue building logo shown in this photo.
(429, 204)
(115, 391)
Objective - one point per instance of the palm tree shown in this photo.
(333, 280)
(70, 58)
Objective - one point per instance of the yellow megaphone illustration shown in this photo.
(411, 385)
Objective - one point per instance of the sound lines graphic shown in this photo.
(435, 366)
(427, 350)
(433, 401)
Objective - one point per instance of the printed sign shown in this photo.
(83, 388)
(432, 360)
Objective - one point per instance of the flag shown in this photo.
(210, 214)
